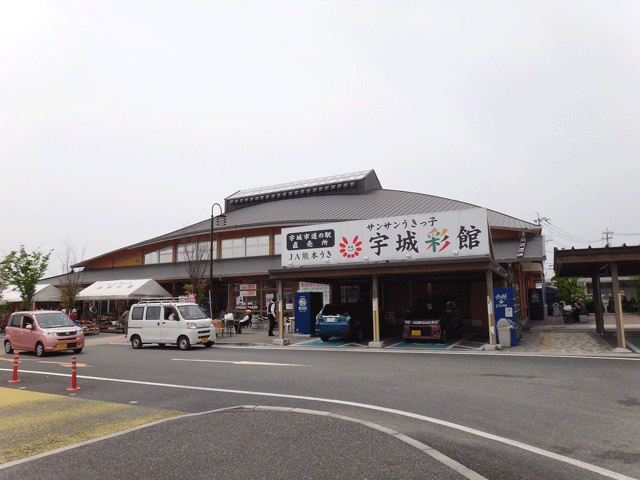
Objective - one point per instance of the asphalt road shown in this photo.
(340, 413)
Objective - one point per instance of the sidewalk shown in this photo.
(550, 336)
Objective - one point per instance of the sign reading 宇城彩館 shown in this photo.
(424, 236)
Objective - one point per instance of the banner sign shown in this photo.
(463, 233)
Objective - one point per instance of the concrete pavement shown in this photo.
(550, 336)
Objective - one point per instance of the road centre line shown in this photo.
(242, 362)
(393, 411)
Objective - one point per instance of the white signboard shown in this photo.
(428, 236)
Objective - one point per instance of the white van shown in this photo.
(169, 322)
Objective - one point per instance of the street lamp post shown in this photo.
(211, 261)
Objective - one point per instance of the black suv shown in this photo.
(433, 319)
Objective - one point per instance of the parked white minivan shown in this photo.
(169, 322)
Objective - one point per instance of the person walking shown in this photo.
(271, 314)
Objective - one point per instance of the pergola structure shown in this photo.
(601, 262)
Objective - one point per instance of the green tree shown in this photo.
(23, 270)
(4, 308)
(570, 291)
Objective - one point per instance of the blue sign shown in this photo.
(503, 308)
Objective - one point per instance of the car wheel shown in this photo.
(77, 350)
(444, 336)
(136, 342)
(208, 344)
(183, 343)
(7, 347)
(40, 350)
(325, 338)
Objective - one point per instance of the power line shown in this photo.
(558, 231)
(567, 236)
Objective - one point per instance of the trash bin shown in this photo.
(504, 332)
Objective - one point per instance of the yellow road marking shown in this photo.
(35, 423)
(64, 364)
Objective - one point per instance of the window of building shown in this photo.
(257, 246)
(233, 248)
(151, 257)
(277, 244)
(196, 251)
(164, 255)
(254, 295)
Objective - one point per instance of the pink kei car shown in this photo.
(42, 331)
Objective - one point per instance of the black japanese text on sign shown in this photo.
(312, 239)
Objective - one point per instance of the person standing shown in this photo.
(271, 314)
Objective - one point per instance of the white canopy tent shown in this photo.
(123, 290)
(44, 293)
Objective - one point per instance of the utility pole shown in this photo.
(538, 221)
(607, 235)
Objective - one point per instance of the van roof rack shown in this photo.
(164, 300)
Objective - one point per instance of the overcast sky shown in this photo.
(124, 120)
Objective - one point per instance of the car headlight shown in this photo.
(348, 318)
(79, 330)
(407, 322)
(47, 333)
(191, 326)
(211, 324)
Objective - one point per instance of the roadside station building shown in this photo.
(347, 237)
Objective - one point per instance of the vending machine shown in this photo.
(307, 306)
(505, 307)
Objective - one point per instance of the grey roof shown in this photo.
(340, 208)
(302, 184)
(227, 268)
(376, 203)
(590, 262)
(527, 249)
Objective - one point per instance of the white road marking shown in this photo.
(242, 362)
(472, 431)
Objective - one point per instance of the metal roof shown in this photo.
(589, 262)
(526, 249)
(340, 208)
(301, 185)
(374, 203)
(227, 268)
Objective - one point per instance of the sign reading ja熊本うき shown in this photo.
(424, 236)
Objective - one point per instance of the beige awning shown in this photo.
(123, 290)
(44, 293)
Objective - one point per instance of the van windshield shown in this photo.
(191, 312)
(53, 320)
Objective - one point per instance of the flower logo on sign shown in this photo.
(350, 250)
